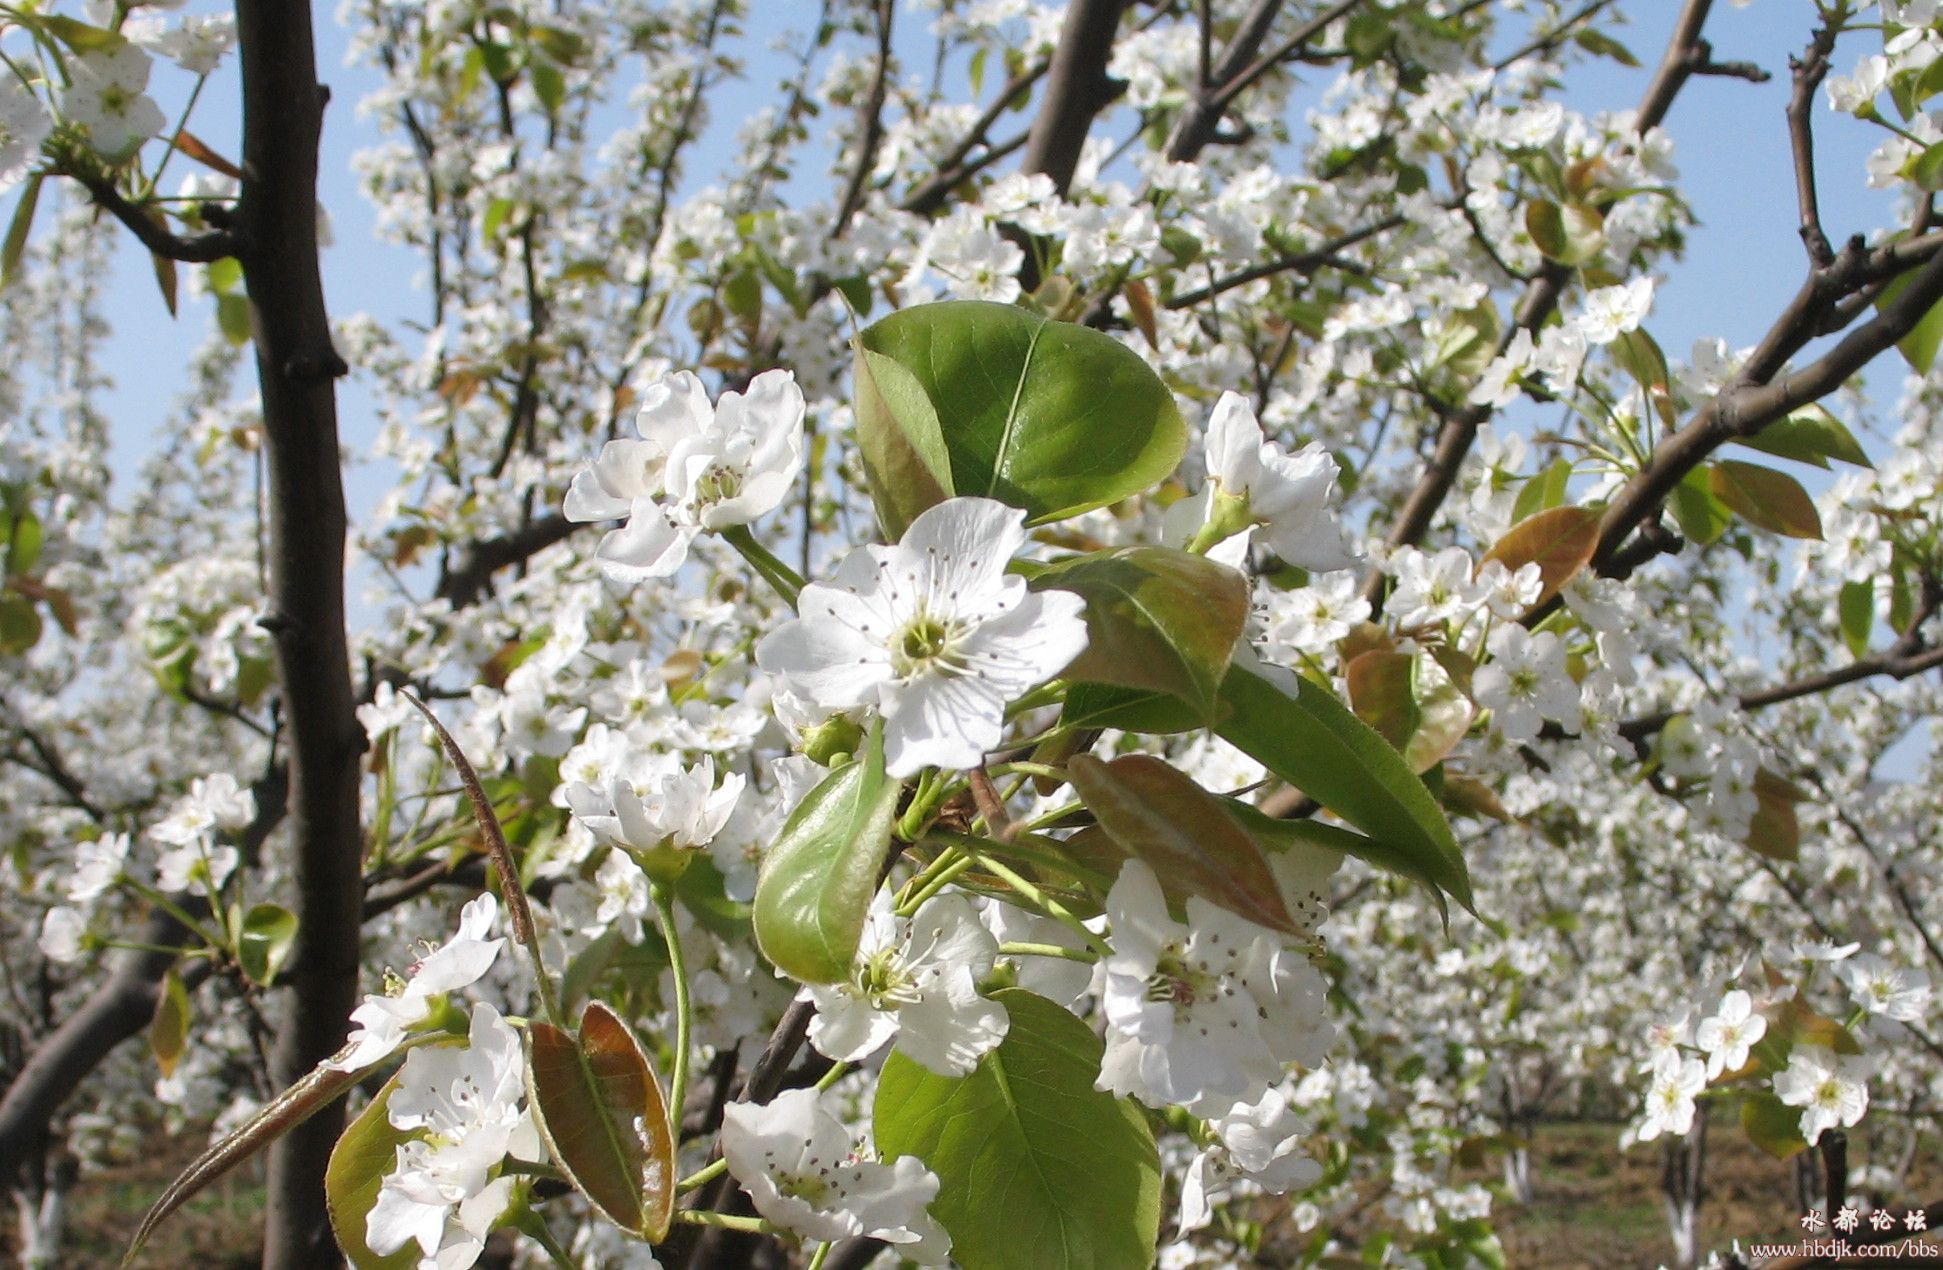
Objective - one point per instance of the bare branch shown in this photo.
(470, 571)
(930, 194)
(203, 248)
(1302, 262)
(1076, 91)
(1233, 82)
(871, 112)
(1809, 71)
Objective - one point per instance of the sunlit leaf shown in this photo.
(1038, 1170)
(168, 1030)
(600, 1108)
(1765, 498)
(1559, 541)
(359, 1162)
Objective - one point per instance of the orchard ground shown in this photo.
(1594, 1207)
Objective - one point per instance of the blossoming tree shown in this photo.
(1148, 671)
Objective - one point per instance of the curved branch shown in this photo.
(202, 249)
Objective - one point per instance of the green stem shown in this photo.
(1048, 950)
(148, 186)
(831, 1077)
(701, 1177)
(936, 879)
(174, 910)
(664, 910)
(763, 561)
(1047, 904)
(822, 1255)
(725, 1221)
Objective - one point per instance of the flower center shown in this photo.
(1177, 983)
(925, 646)
(720, 483)
(885, 981)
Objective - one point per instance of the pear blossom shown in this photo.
(1431, 590)
(1314, 618)
(214, 803)
(24, 124)
(63, 934)
(104, 97)
(692, 468)
(1509, 592)
(1288, 495)
(196, 42)
(1831, 1090)
(673, 807)
(932, 632)
(466, 1103)
(1886, 990)
(1525, 682)
(383, 1020)
(1611, 311)
(98, 865)
(1203, 1013)
(1256, 1142)
(804, 1173)
(1669, 1104)
(1726, 1035)
(624, 897)
(914, 980)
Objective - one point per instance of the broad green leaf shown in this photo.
(1382, 691)
(1765, 498)
(1856, 604)
(1772, 1125)
(1560, 541)
(1156, 618)
(1038, 1170)
(225, 275)
(1546, 489)
(600, 1109)
(818, 877)
(264, 942)
(1774, 830)
(1311, 740)
(316, 1090)
(1047, 416)
(18, 228)
(1809, 434)
(359, 1162)
(1159, 815)
(20, 624)
(901, 440)
(1104, 706)
(1571, 235)
(1926, 169)
(168, 1029)
(1919, 346)
(1702, 517)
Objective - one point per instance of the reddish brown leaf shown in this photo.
(1560, 541)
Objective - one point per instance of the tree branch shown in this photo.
(1077, 90)
(871, 112)
(1809, 71)
(930, 195)
(203, 248)
(1303, 262)
(469, 574)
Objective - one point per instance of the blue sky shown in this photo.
(1743, 261)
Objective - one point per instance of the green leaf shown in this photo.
(1047, 416)
(18, 228)
(168, 1029)
(1919, 346)
(1560, 541)
(1603, 45)
(1311, 740)
(263, 944)
(78, 35)
(1926, 169)
(1382, 691)
(826, 863)
(233, 317)
(1038, 1170)
(24, 539)
(600, 1109)
(1159, 815)
(1857, 606)
(549, 85)
(1765, 498)
(362, 1158)
(1809, 434)
(225, 275)
(1772, 1125)
(901, 441)
(1445, 716)
(1156, 618)
(20, 624)
(1104, 706)
(166, 280)
(1545, 490)
(1702, 517)
(1571, 234)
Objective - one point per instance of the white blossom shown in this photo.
(383, 1020)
